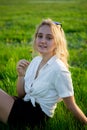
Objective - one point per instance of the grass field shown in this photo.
(18, 20)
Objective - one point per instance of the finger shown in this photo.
(24, 62)
(22, 66)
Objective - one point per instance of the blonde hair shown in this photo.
(59, 38)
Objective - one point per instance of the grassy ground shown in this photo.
(18, 20)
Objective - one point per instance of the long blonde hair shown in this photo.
(59, 37)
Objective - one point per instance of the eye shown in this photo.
(49, 37)
(39, 36)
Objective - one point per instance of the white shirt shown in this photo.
(52, 84)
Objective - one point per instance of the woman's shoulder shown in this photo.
(60, 66)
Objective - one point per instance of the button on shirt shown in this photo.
(50, 87)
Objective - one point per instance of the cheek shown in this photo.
(37, 41)
(53, 45)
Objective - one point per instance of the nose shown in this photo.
(43, 40)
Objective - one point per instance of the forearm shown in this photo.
(20, 86)
(21, 70)
(77, 112)
(73, 107)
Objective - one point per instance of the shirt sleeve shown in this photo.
(64, 84)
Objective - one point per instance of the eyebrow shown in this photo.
(46, 34)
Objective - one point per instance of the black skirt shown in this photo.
(24, 113)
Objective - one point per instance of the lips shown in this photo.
(42, 46)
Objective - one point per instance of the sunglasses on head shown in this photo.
(57, 23)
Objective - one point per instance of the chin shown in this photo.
(41, 51)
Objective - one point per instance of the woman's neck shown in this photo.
(46, 58)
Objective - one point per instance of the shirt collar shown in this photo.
(52, 59)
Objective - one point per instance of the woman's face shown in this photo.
(45, 44)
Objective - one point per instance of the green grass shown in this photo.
(18, 20)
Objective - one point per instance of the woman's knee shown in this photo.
(6, 103)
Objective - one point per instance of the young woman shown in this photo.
(43, 82)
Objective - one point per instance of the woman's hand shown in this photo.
(21, 67)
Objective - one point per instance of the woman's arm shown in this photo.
(72, 106)
(20, 86)
(21, 69)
